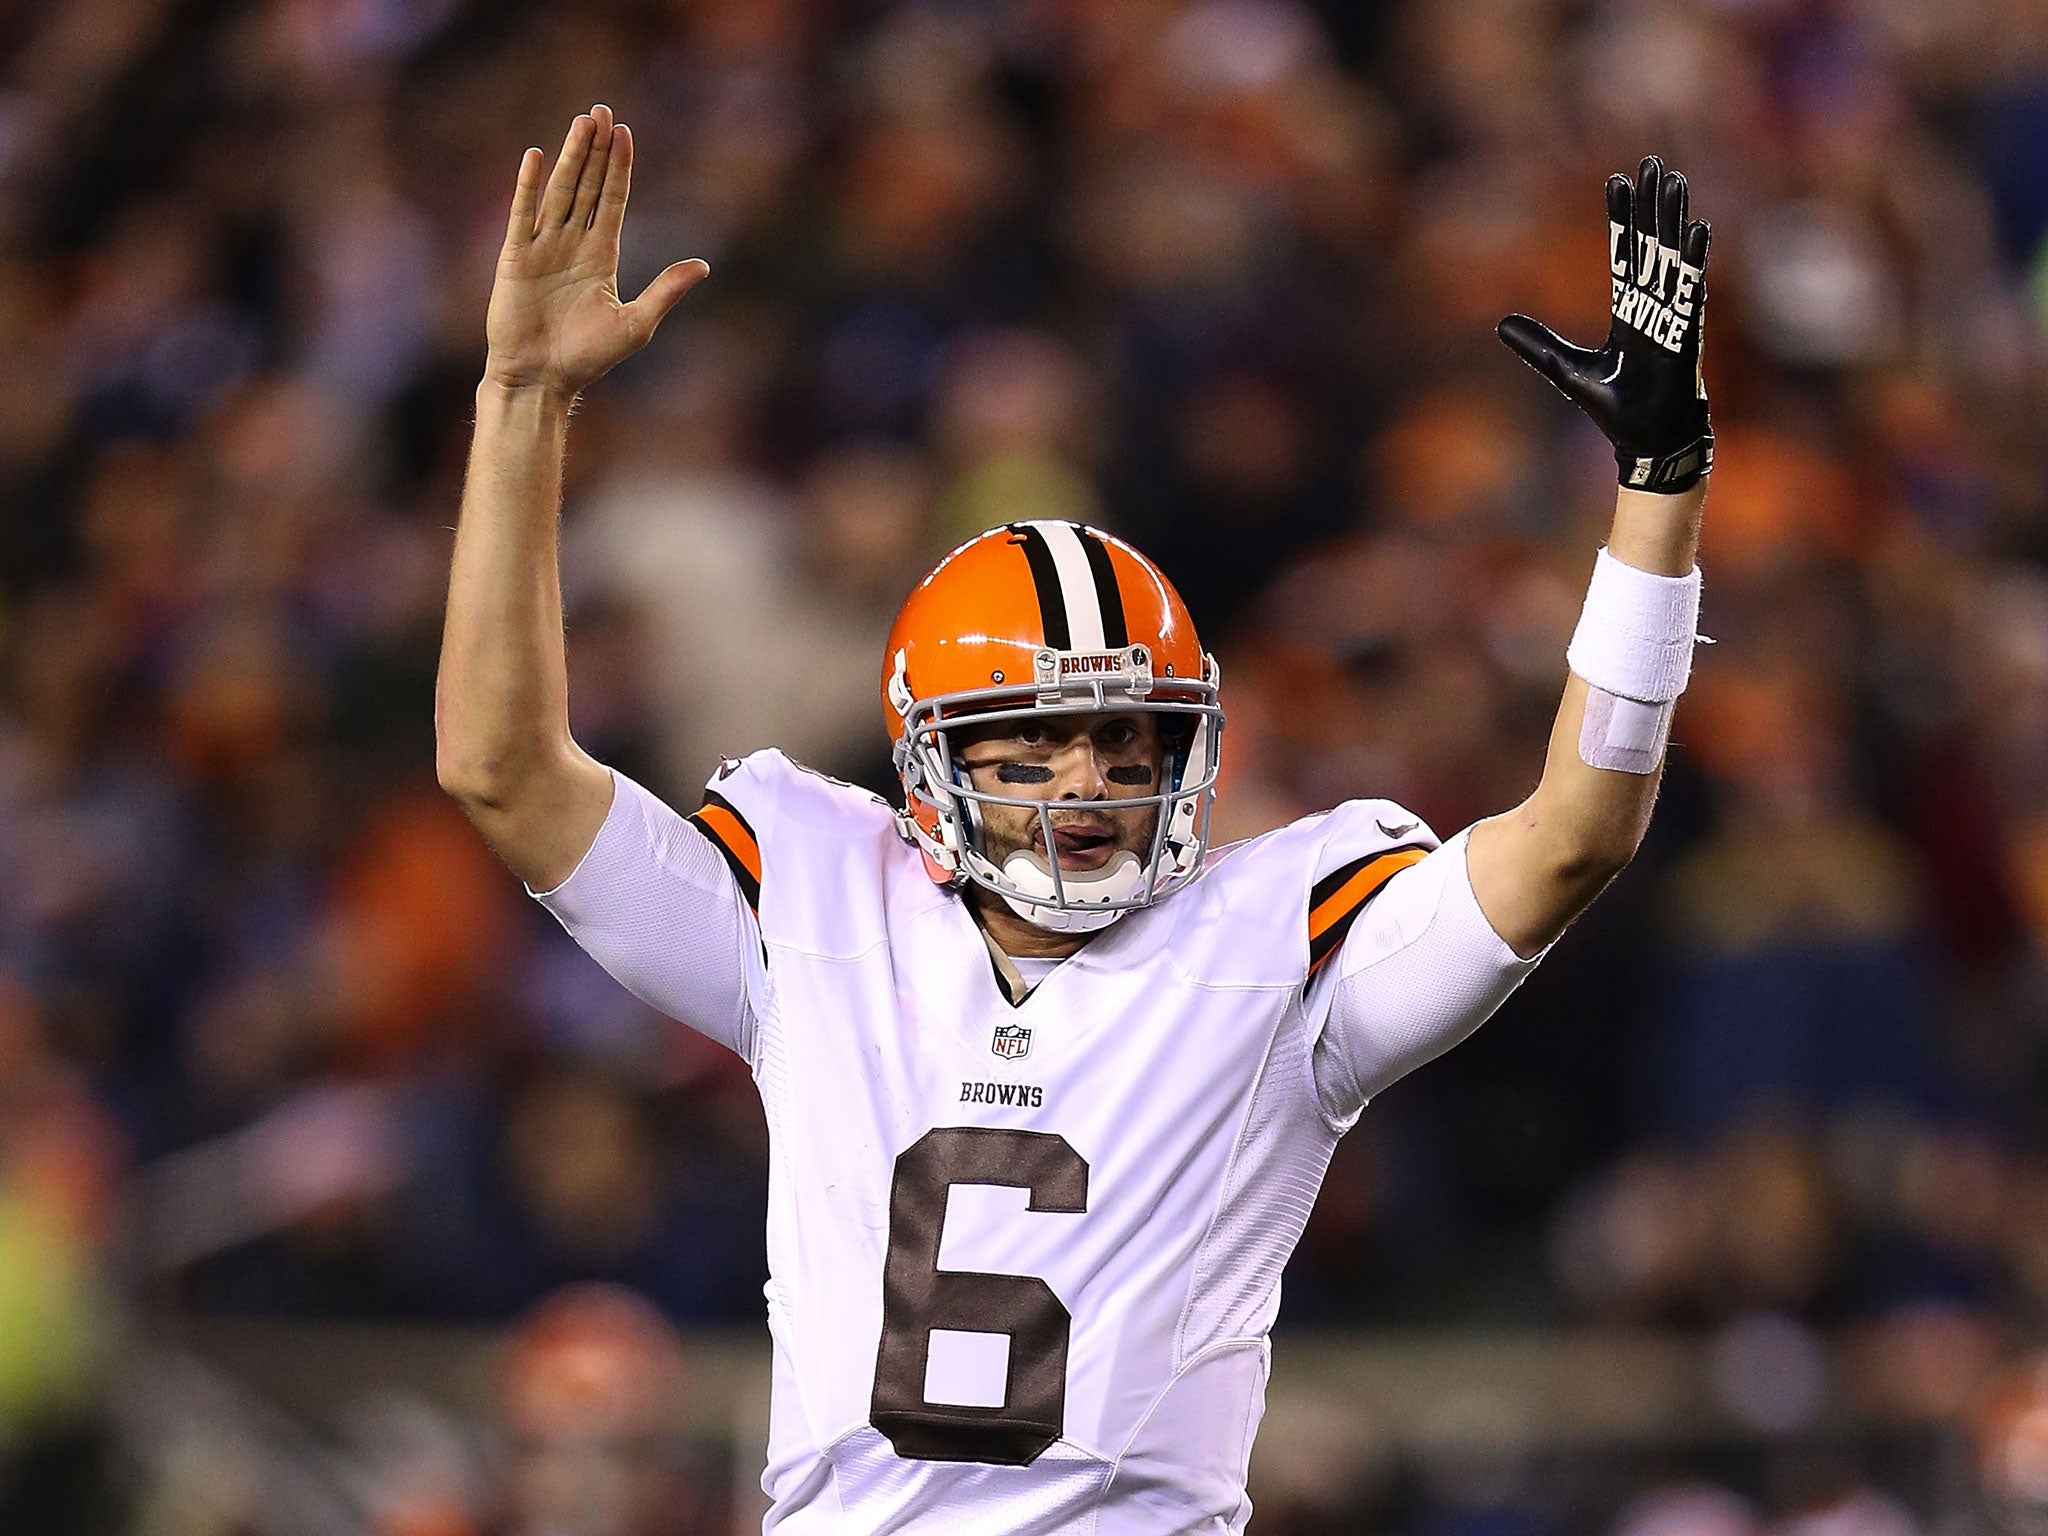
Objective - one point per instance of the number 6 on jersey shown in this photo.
(918, 1298)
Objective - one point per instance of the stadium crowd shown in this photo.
(277, 1036)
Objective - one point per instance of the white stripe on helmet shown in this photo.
(1077, 585)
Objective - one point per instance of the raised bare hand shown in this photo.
(556, 321)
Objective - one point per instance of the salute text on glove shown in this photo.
(1656, 292)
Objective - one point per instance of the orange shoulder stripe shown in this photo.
(1332, 915)
(730, 834)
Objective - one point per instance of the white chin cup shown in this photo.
(1035, 899)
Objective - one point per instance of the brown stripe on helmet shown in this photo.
(1116, 631)
(1045, 576)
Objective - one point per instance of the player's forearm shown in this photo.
(1540, 865)
(501, 707)
(1590, 820)
(1586, 822)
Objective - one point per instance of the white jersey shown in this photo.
(1025, 1254)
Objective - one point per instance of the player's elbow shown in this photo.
(480, 773)
(1555, 882)
(1600, 847)
(471, 779)
(484, 761)
(459, 768)
(1580, 853)
(465, 781)
(1589, 864)
(1593, 850)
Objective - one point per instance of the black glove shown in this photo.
(1643, 388)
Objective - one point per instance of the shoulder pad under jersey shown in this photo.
(811, 852)
(1275, 907)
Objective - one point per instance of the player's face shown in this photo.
(1068, 757)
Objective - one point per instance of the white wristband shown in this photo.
(1635, 634)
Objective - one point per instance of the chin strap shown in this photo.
(1122, 879)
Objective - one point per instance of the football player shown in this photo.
(1051, 1082)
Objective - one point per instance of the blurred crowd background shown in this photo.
(278, 1039)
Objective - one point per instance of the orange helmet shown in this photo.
(1049, 618)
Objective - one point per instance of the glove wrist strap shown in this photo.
(1667, 474)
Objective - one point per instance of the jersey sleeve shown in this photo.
(667, 904)
(1416, 969)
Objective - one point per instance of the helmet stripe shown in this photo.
(1077, 585)
(1079, 602)
(1116, 632)
(1045, 576)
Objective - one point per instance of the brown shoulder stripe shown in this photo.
(732, 837)
(1341, 895)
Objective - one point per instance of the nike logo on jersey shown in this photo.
(1397, 830)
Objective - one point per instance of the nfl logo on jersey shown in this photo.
(1012, 1040)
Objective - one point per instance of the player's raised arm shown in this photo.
(1537, 867)
(556, 322)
